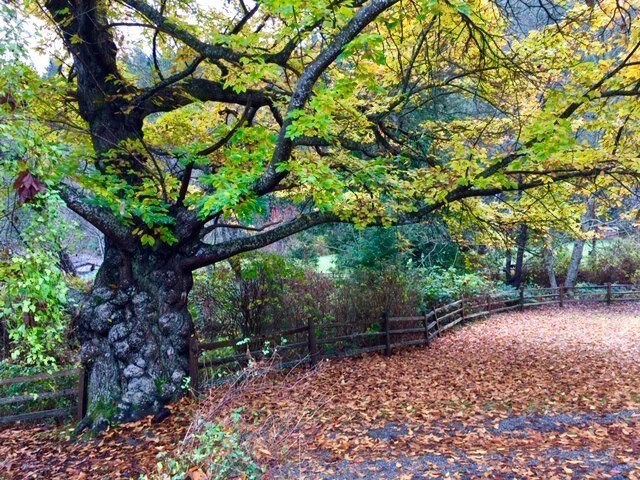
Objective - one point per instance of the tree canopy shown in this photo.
(372, 112)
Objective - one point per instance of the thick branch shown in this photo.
(193, 89)
(304, 87)
(99, 217)
(209, 254)
(213, 52)
(167, 82)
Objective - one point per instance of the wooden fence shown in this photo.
(75, 392)
(310, 343)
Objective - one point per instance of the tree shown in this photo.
(549, 260)
(578, 247)
(319, 103)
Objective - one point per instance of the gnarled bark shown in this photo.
(134, 331)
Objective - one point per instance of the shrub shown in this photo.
(33, 298)
(33, 290)
(439, 285)
(267, 293)
(616, 261)
(364, 296)
(244, 296)
(232, 438)
(216, 451)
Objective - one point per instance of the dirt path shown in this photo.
(549, 394)
(542, 394)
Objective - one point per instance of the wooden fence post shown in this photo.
(561, 295)
(435, 316)
(463, 309)
(193, 364)
(426, 329)
(609, 293)
(521, 299)
(313, 342)
(488, 305)
(82, 394)
(387, 335)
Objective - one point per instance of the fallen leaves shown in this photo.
(35, 452)
(540, 394)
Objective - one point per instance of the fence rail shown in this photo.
(310, 343)
(77, 392)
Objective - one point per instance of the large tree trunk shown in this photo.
(523, 236)
(574, 266)
(134, 332)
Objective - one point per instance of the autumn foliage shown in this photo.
(546, 393)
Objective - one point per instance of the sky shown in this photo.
(32, 30)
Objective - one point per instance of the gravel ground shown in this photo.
(465, 465)
(462, 466)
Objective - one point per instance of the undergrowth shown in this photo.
(225, 441)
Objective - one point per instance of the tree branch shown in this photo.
(245, 18)
(194, 89)
(234, 226)
(304, 88)
(99, 217)
(165, 83)
(188, 171)
(213, 52)
(208, 254)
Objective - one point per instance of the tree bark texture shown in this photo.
(508, 266)
(523, 235)
(574, 265)
(134, 332)
(578, 248)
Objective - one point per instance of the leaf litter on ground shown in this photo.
(547, 393)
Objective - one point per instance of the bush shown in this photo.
(439, 285)
(267, 293)
(33, 298)
(616, 261)
(364, 296)
(263, 293)
(33, 289)
(244, 296)
(216, 451)
(232, 438)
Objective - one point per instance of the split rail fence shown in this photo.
(44, 389)
(210, 362)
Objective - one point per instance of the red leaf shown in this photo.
(27, 186)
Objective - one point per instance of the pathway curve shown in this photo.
(549, 394)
